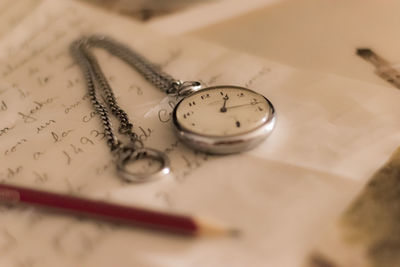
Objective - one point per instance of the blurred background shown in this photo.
(145, 10)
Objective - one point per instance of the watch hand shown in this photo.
(242, 105)
(225, 98)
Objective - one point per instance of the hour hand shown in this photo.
(225, 98)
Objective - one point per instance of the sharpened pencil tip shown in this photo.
(209, 227)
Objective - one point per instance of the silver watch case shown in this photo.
(225, 144)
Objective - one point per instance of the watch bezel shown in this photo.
(225, 144)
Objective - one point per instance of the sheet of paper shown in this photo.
(332, 134)
(313, 34)
(14, 11)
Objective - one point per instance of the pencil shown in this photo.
(180, 224)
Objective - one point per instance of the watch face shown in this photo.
(223, 111)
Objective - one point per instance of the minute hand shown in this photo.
(242, 105)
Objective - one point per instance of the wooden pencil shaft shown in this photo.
(126, 214)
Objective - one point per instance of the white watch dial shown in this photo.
(223, 111)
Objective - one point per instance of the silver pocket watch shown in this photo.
(221, 119)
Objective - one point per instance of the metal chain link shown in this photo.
(80, 50)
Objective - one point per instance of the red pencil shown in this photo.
(126, 214)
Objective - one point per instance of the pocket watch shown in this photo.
(223, 119)
(219, 119)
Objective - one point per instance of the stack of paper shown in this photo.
(332, 134)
